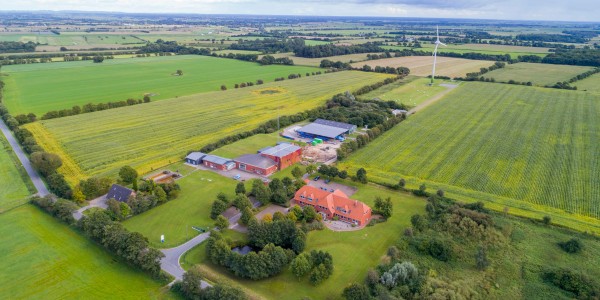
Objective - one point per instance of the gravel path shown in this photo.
(35, 177)
(430, 101)
(98, 202)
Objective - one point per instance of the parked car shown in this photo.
(317, 178)
(327, 180)
(237, 177)
(331, 190)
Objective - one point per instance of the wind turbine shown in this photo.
(437, 43)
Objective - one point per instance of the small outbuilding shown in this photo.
(194, 158)
(119, 193)
(217, 162)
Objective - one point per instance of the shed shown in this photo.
(194, 158)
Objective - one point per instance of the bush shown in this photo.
(573, 245)
(579, 284)
(547, 220)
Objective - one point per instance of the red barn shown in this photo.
(256, 163)
(284, 154)
(336, 204)
(216, 162)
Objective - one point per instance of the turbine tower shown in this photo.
(437, 43)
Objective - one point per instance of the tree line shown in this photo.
(92, 107)
(553, 38)
(333, 50)
(161, 46)
(10, 47)
(268, 45)
(578, 57)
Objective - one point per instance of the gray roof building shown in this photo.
(348, 127)
(119, 193)
(321, 130)
(281, 150)
(194, 157)
(216, 159)
(256, 160)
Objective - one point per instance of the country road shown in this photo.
(33, 174)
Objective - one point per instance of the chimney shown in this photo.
(355, 202)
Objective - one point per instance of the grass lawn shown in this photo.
(15, 185)
(422, 65)
(410, 91)
(467, 145)
(175, 218)
(538, 74)
(40, 88)
(150, 136)
(41, 258)
(353, 253)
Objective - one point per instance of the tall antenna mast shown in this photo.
(437, 43)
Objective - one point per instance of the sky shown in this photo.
(551, 10)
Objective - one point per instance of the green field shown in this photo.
(15, 185)
(525, 148)
(175, 218)
(353, 253)
(41, 258)
(40, 88)
(153, 135)
(590, 84)
(538, 74)
(411, 91)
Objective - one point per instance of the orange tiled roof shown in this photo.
(336, 202)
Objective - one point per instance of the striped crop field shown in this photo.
(538, 74)
(152, 135)
(39, 88)
(528, 148)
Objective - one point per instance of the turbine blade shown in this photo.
(443, 44)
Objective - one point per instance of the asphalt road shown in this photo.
(33, 174)
(170, 263)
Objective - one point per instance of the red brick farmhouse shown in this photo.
(336, 204)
